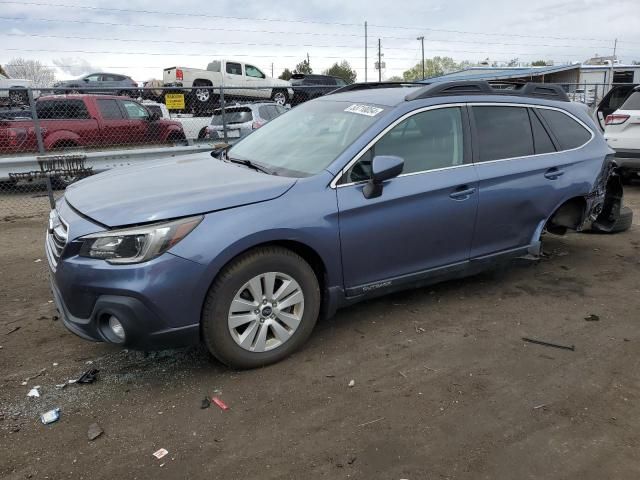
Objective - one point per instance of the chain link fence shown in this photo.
(50, 138)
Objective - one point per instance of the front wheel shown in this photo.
(281, 97)
(261, 308)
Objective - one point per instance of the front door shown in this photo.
(424, 218)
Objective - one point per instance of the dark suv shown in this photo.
(308, 87)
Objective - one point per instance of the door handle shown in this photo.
(553, 173)
(462, 193)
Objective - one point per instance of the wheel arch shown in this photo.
(570, 214)
(202, 82)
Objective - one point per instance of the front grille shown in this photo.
(57, 236)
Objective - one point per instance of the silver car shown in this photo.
(241, 120)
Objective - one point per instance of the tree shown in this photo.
(433, 67)
(303, 67)
(342, 70)
(395, 78)
(539, 63)
(39, 74)
(2, 72)
(514, 62)
(285, 75)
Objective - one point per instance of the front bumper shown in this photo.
(157, 302)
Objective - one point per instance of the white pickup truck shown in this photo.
(14, 90)
(241, 81)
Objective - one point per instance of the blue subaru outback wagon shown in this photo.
(368, 190)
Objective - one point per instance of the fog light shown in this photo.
(116, 327)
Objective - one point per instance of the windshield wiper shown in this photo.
(250, 164)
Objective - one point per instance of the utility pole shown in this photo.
(365, 50)
(308, 62)
(271, 69)
(422, 42)
(613, 59)
(379, 61)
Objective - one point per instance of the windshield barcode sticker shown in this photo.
(367, 110)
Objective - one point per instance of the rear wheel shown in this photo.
(18, 97)
(261, 308)
(622, 223)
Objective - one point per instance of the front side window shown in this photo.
(253, 72)
(503, 132)
(234, 68)
(135, 111)
(426, 141)
(569, 133)
(93, 78)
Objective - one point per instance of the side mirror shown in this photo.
(383, 167)
(85, 79)
(154, 116)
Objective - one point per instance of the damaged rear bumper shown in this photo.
(605, 201)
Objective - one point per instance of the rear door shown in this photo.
(234, 77)
(612, 102)
(424, 218)
(522, 180)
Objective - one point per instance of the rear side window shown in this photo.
(135, 111)
(234, 68)
(236, 115)
(110, 109)
(569, 133)
(253, 72)
(632, 103)
(503, 132)
(266, 112)
(62, 110)
(541, 141)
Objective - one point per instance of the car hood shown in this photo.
(182, 186)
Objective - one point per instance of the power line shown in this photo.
(302, 21)
(112, 39)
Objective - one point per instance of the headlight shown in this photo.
(137, 244)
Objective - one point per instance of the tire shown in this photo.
(622, 224)
(18, 97)
(202, 134)
(281, 97)
(261, 344)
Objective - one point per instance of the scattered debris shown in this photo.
(402, 374)
(537, 407)
(89, 376)
(55, 364)
(94, 432)
(548, 344)
(37, 260)
(352, 459)
(160, 453)
(50, 416)
(220, 403)
(14, 329)
(206, 403)
(41, 372)
(330, 376)
(592, 318)
(352, 383)
(60, 386)
(34, 392)
(372, 421)
(419, 329)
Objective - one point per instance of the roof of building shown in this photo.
(502, 73)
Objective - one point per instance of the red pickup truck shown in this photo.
(91, 121)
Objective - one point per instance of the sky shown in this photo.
(139, 38)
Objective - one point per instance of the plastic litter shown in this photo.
(592, 318)
(34, 392)
(89, 376)
(220, 403)
(352, 383)
(160, 453)
(206, 403)
(94, 431)
(50, 416)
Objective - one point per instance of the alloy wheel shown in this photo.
(202, 94)
(266, 311)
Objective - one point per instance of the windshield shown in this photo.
(305, 140)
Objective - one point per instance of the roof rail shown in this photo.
(371, 85)
(549, 91)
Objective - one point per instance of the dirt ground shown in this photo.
(445, 388)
